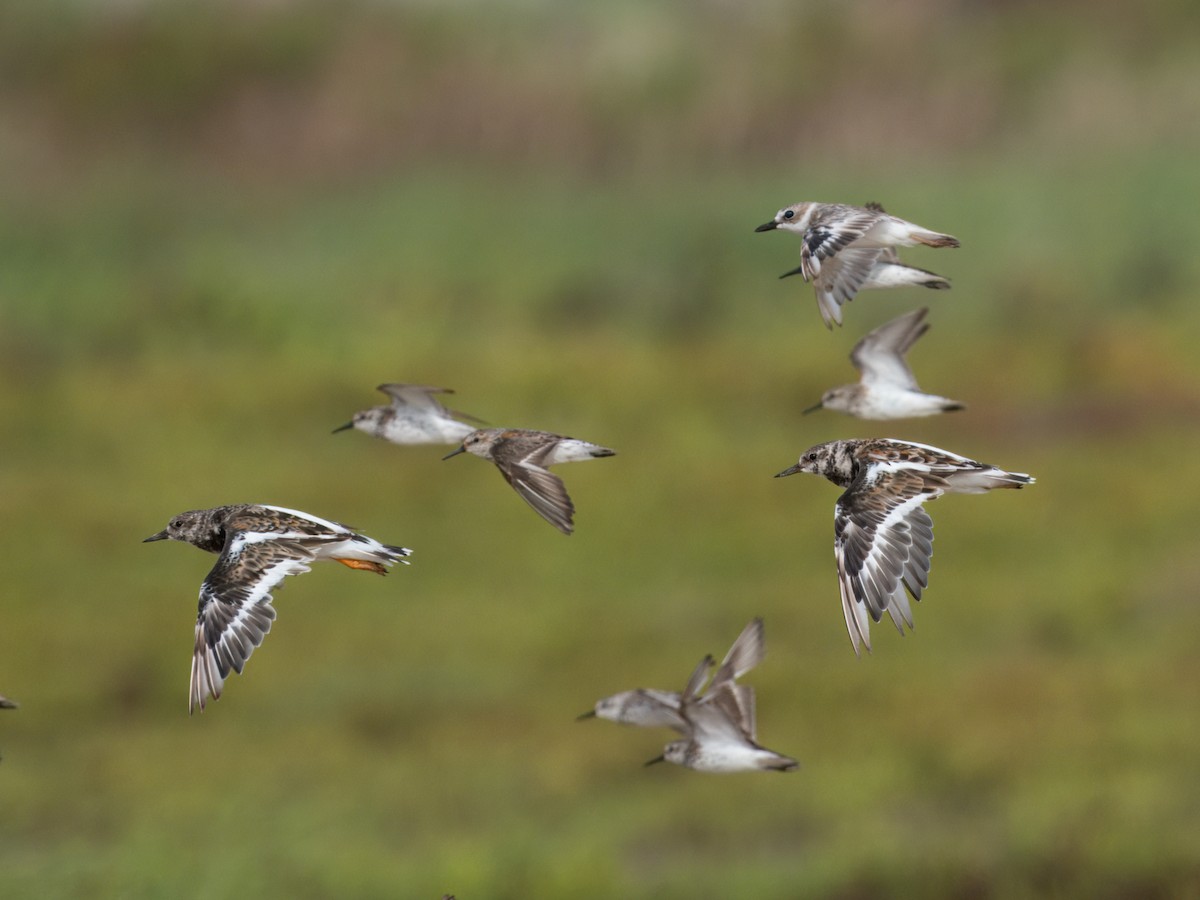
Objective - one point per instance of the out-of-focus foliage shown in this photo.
(222, 225)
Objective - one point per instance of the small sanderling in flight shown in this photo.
(721, 727)
(883, 538)
(413, 417)
(524, 457)
(651, 708)
(259, 545)
(849, 248)
(887, 389)
(888, 272)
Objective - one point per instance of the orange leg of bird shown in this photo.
(363, 564)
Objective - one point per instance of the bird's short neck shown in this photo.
(212, 536)
(842, 467)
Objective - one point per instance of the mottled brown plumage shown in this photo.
(259, 546)
(883, 538)
(524, 456)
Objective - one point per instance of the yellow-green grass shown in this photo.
(414, 735)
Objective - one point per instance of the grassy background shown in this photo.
(223, 226)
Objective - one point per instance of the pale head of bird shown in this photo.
(676, 752)
(368, 420)
(478, 442)
(610, 708)
(838, 398)
(790, 218)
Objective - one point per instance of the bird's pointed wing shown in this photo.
(415, 396)
(420, 398)
(235, 611)
(544, 491)
(526, 471)
(883, 540)
(691, 691)
(738, 702)
(879, 355)
(253, 525)
(720, 716)
(826, 239)
(748, 650)
(840, 279)
(745, 698)
(727, 708)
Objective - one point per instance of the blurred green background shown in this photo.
(223, 224)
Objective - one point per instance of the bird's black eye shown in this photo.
(789, 214)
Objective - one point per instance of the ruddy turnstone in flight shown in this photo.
(413, 417)
(720, 727)
(258, 546)
(652, 708)
(887, 389)
(524, 457)
(848, 248)
(883, 538)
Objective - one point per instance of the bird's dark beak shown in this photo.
(790, 470)
(656, 759)
(767, 226)
(813, 409)
(342, 427)
(461, 449)
(590, 714)
(161, 536)
(799, 270)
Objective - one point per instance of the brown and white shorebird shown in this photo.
(850, 248)
(524, 457)
(258, 545)
(414, 416)
(720, 727)
(883, 538)
(651, 708)
(887, 389)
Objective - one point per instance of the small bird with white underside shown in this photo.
(524, 457)
(721, 725)
(887, 389)
(652, 708)
(883, 538)
(414, 416)
(851, 248)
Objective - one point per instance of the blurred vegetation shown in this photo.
(224, 224)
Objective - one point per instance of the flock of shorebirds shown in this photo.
(882, 535)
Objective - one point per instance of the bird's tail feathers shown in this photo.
(933, 239)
